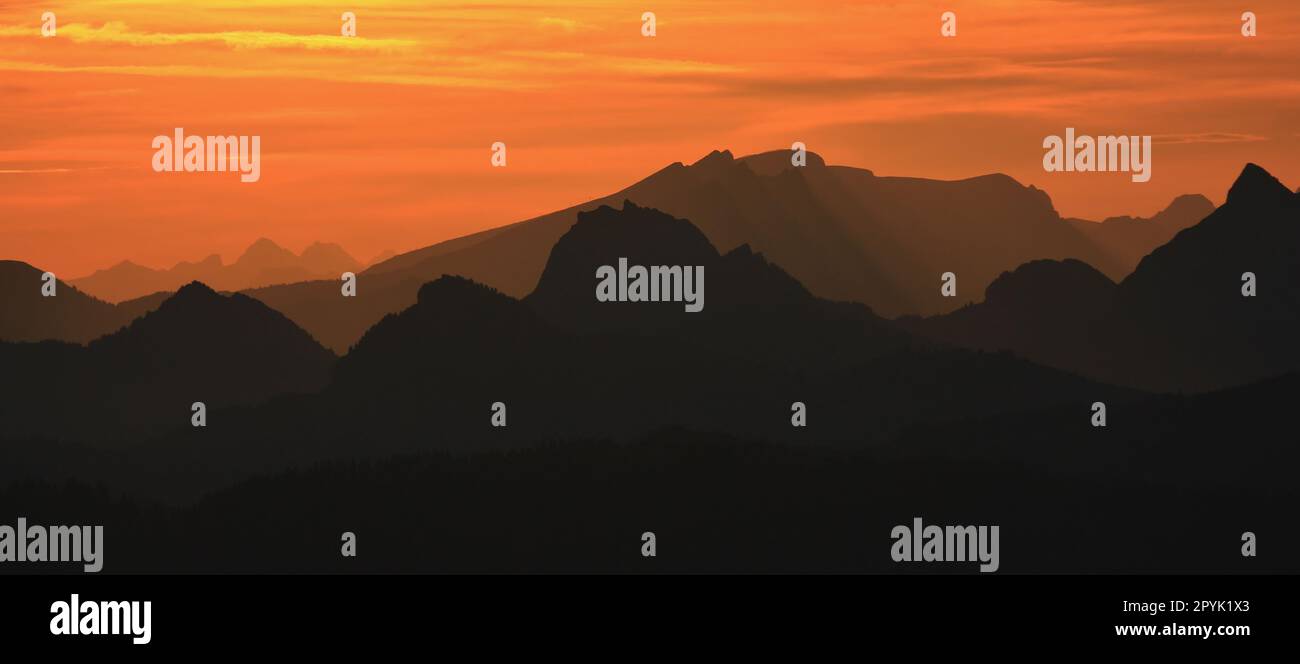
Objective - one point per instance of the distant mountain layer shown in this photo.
(842, 232)
(1183, 320)
(263, 263)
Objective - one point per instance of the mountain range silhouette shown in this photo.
(197, 346)
(1178, 322)
(565, 365)
(843, 232)
(628, 413)
(262, 263)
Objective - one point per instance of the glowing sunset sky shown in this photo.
(382, 141)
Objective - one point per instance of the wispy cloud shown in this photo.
(117, 32)
(565, 24)
(319, 73)
(1208, 137)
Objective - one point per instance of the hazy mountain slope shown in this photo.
(1129, 239)
(126, 280)
(567, 365)
(262, 263)
(842, 232)
(1178, 322)
(71, 315)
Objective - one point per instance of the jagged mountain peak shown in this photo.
(1257, 186)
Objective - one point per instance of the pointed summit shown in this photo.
(265, 253)
(195, 289)
(718, 161)
(716, 157)
(1257, 186)
(327, 258)
(197, 316)
(262, 244)
(194, 296)
(1185, 210)
(198, 345)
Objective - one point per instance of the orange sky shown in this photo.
(382, 141)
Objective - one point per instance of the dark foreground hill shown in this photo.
(1171, 484)
(198, 346)
(714, 504)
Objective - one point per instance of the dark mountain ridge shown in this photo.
(198, 346)
(70, 315)
(567, 367)
(1180, 321)
(844, 233)
(563, 366)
